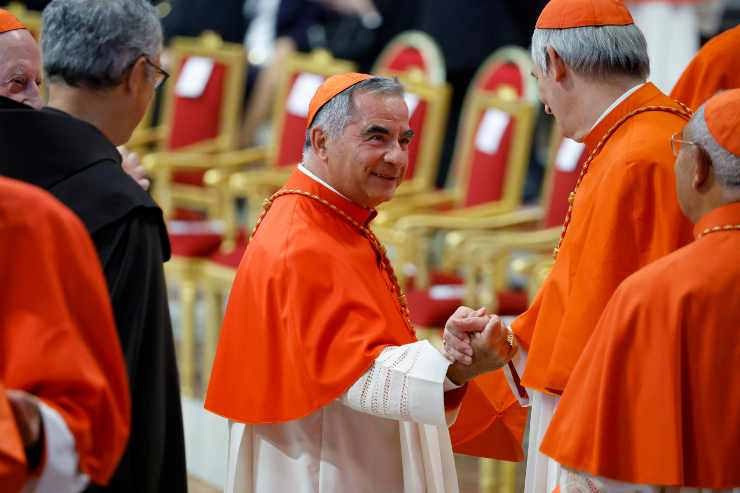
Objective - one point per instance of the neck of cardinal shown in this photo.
(99, 108)
(593, 98)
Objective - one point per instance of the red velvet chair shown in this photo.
(489, 165)
(267, 168)
(412, 51)
(486, 246)
(492, 147)
(200, 115)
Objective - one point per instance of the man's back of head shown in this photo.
(105, 52)
(585, 52)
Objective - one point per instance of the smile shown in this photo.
(385, 177)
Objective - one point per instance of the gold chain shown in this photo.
(684, 112)
(366, 232)
(717, 229)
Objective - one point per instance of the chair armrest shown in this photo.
(521, 217)
(487, 259)
(174, 160)
(146, 137)
(402, 206)
(245, 182)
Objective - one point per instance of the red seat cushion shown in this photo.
(416, 122)
(189, 177)
(230, 258)
(197, 119)
(193, 238)
(432, 307)
(404, 59)
(488, 172)
(562, 182)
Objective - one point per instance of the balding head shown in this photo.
(20, 68)
(707, 173)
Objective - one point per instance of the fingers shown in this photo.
(456, 356)
(459, 343)
(494, 331)
(470, 324)
(479, 312)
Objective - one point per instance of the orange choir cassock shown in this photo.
(287, 351)
(625, 215)
(715, 68)
(12, 456)
(57, 335)
(654, 399)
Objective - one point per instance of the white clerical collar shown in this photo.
(310, 174)
(616, 103)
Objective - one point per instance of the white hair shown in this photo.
(334, 116)
(597, 52)
(726, 165)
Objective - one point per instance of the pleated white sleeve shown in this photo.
(405, 383)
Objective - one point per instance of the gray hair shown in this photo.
(334, 116)
(596, 52)
(726, 165)
(92, 43)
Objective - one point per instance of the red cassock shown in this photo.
(625, 215)
(57, 335)
(655, 397)
(12, 456)
(715, 68)
(303, 326)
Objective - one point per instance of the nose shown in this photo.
(397, 155)
(33, 95)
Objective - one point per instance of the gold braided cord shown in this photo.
(718, 229)
(366, 232)
(684, 112)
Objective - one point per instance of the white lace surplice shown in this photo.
(388, 432)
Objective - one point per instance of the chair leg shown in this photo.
(487, 475)
(213, 299)
(508, 476)
(187, 340)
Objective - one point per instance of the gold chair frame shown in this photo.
(254, 185)
(436, 73)
(201, 155)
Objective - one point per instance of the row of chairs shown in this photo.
(459, 244)
(197, 166)
(473, 227)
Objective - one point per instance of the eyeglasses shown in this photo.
(677, 142)
(162, 74)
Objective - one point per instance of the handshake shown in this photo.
(476, 343)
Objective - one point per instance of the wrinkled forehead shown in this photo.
(19, 44)
(380, 108)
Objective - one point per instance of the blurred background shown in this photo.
(229, 125)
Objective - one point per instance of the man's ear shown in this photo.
(135, 78)
(702, 170)
(556, 65)
(319, 139)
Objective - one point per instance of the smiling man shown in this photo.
(318, 366)
(101, 65)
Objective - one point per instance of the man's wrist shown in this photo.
(457, 375)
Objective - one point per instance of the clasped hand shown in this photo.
(476, 343)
